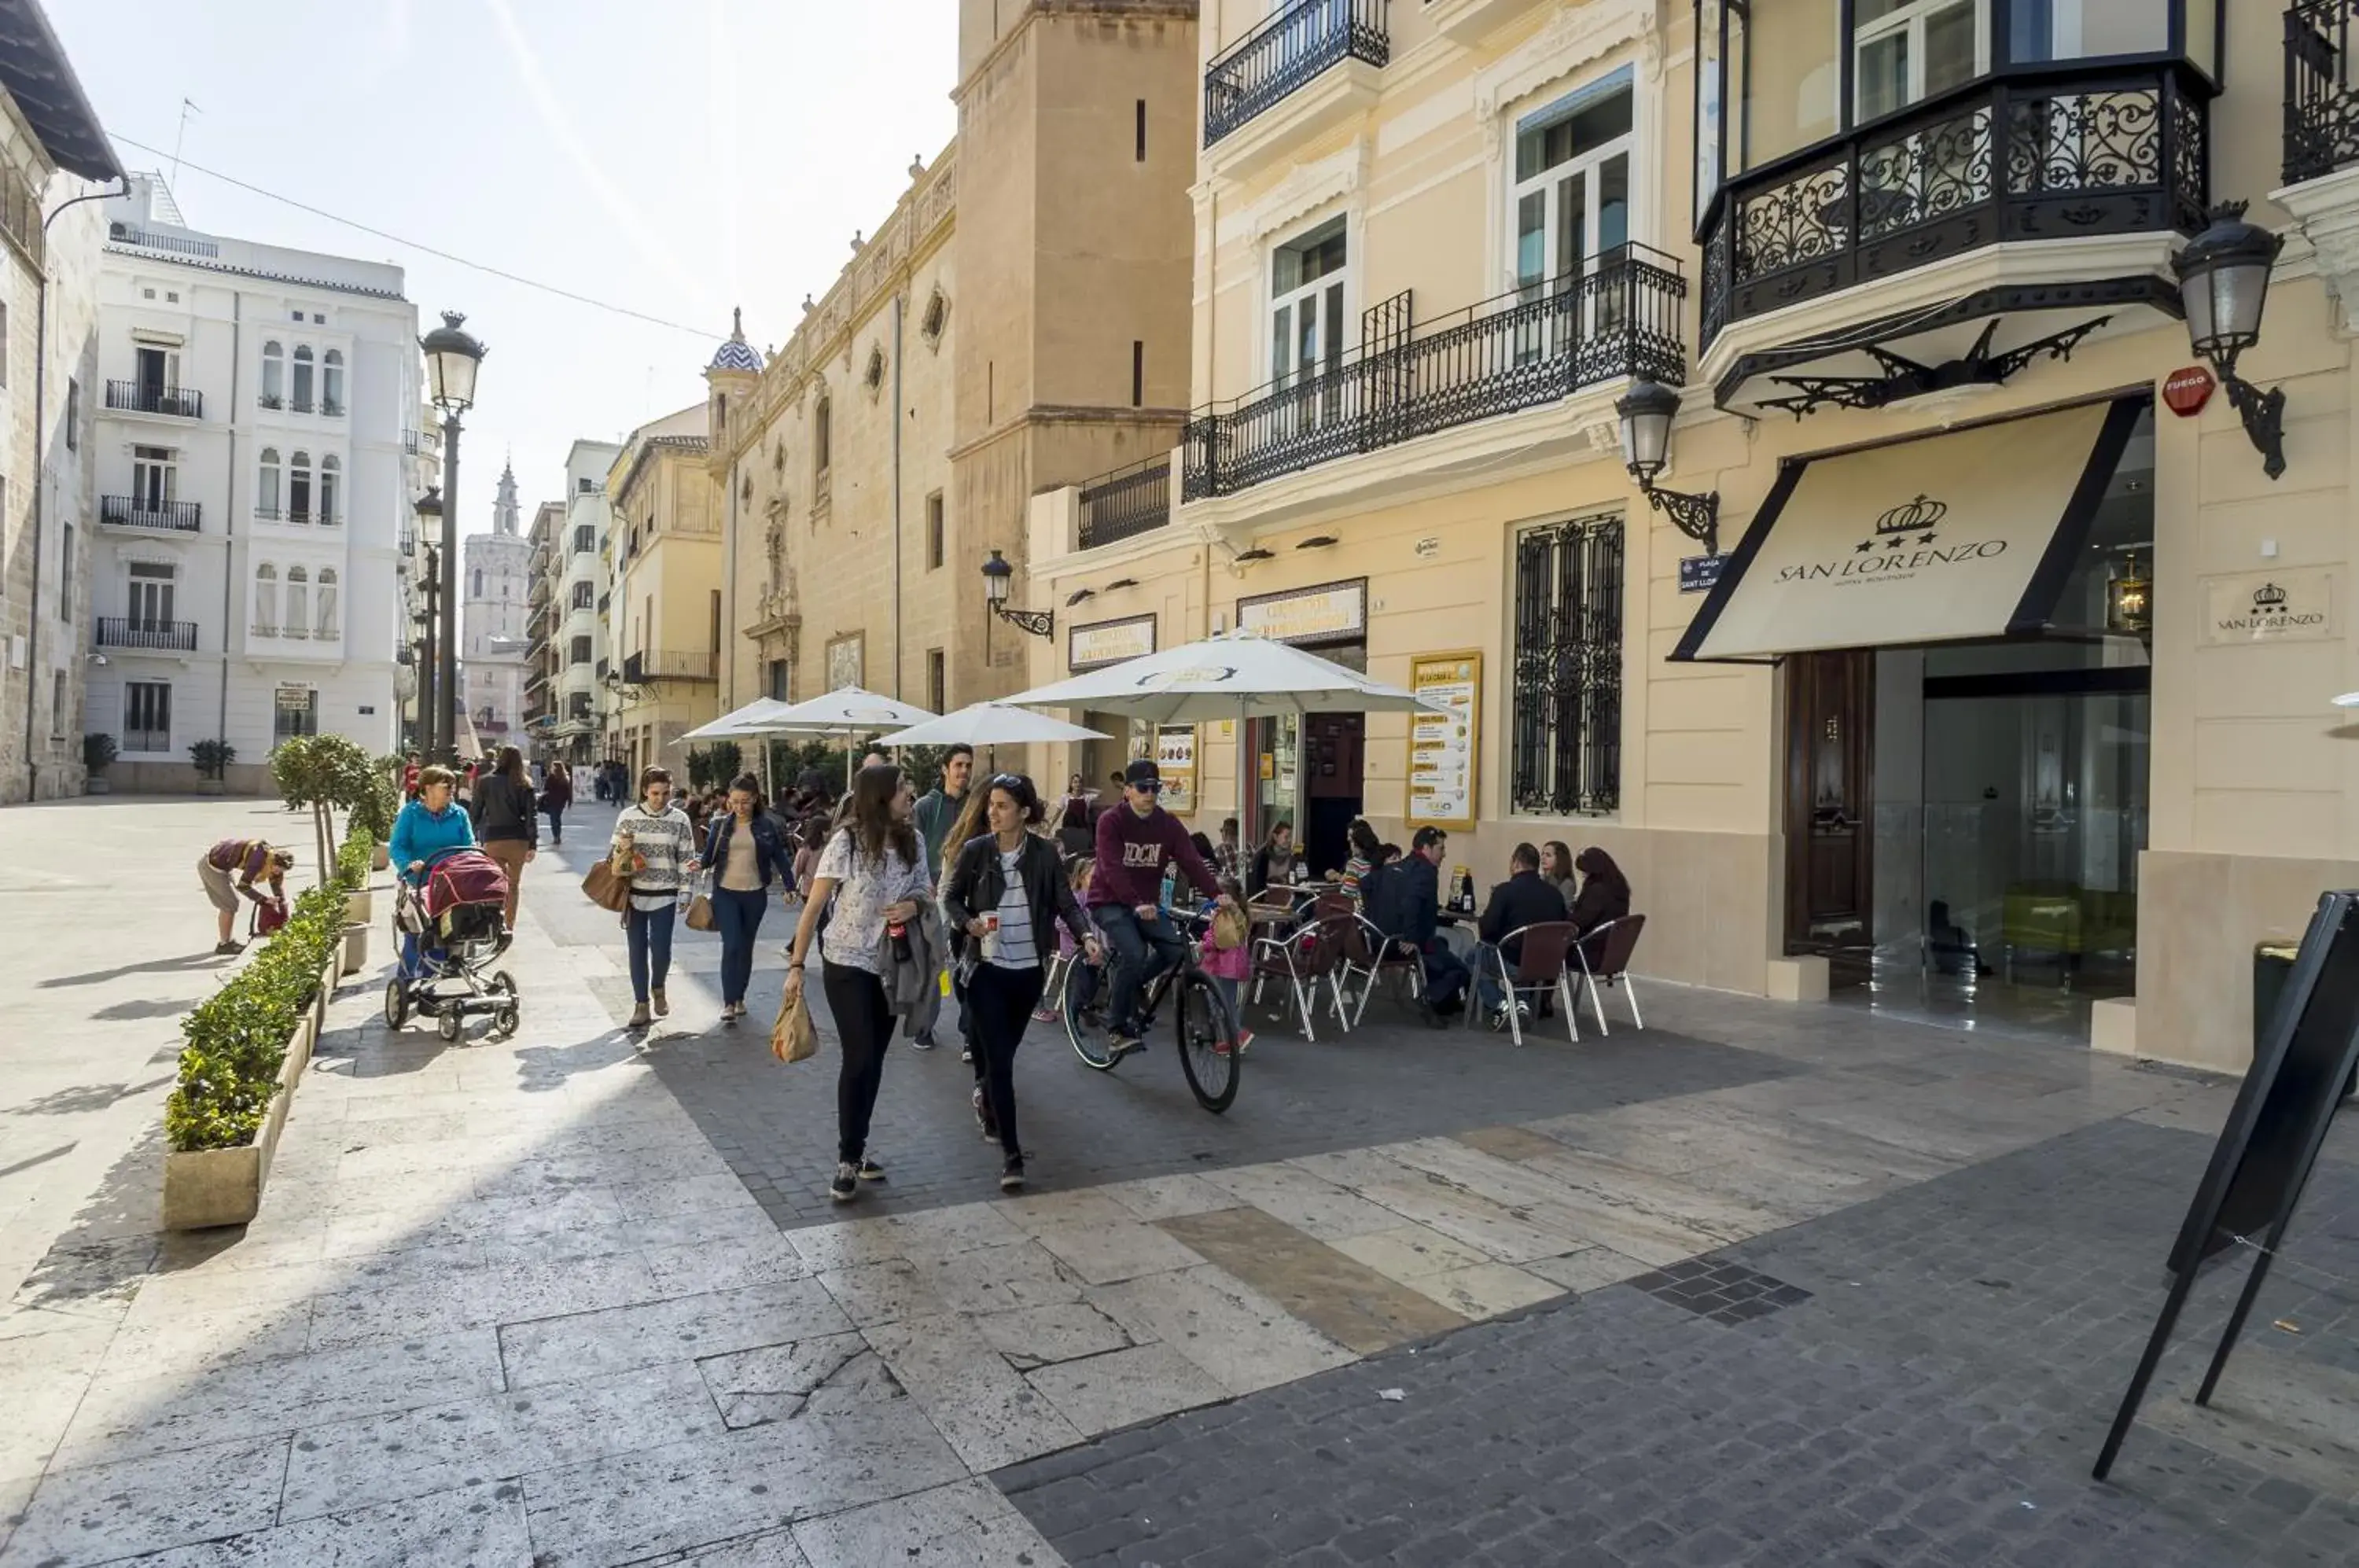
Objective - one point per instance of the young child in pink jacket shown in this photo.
(1228, 967)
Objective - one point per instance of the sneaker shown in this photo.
(1119, 1044)
(1011, 1178)
(983, 1116)
(967, 1056)
(869, 1170)
(663, 1006)
(922, 1040)
(1245, 1041)
(640, 1019)
(227, 949)
(846, 1185)
(1040, 1016)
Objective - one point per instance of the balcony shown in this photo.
(148, 397)
(139, 632)
(1126, 503)
(1620, 319)
(298, 517)
(665, 664)
(138, 512)
(2322, 106)
(1286, 54)
(2056, 153)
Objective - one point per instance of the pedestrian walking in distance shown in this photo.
(508, 821)
(936, 809)
(875, 868)
(746, 851)
(556, 795)
(656, 848)
(1006, 891)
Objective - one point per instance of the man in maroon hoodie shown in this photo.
(1136, 839)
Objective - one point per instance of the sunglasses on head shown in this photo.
(1010, 782)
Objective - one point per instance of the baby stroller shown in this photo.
(459, 921)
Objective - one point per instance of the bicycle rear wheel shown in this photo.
(1078, 1009)
(1208, 1036)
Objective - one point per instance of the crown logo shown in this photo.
(2268, 597)
(1910, 517)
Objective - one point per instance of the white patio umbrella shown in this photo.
(849, 711)
(737, 724)
(1235, 675)
(991, 723)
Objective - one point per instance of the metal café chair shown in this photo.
(1373, 957)
(1542, 951)
(1612, 964)
(1299, 959)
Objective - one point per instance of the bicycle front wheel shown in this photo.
(1208, 1036)
(1083, 1026)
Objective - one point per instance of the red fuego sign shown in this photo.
(2186, 391)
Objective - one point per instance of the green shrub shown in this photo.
(98, 749)
(212, 757)
(717, 764)
(235, 1041)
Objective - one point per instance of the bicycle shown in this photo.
(1204, 1030)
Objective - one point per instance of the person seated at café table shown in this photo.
(1273, 863)
(1525, 898)
(1604, 897)
(1406, 906)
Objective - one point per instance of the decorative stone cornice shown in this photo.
(1309, 187)
(2326, 210)
(1574, 38)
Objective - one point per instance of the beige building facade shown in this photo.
(1020, 320)
(2006, 692)
(663, 559)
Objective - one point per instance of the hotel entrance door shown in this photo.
(1829, 804)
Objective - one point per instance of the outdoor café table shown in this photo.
(1457, 932)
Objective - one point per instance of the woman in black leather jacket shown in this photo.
(1006, 891)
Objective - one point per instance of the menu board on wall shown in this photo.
(1442, 747)
(1175, 756)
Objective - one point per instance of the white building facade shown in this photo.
(579, 597)
(254, 483)
(495, 583)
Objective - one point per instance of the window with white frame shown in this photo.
(1572, 183)
(299, 603)
(148, 716)
(150, 594)
(294, 711)
(269, 501)
(298, 487)
(331, 477)
(331, 382)
(301, 399)
(583, 594)
(266, 600)
(1904, 51)
(323, 613)
(274, 375)
(155, 477)
(1307, 304)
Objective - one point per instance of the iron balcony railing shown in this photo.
(136, 512)
(2061, 152)
(148, 397)
(139, 631)
(1619, 318)
(1287, 53)
(129, 233)
(1126, 503)
(2322, 100)
(667, 664)
(333, 407)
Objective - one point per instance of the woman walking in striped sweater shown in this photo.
(654, 840)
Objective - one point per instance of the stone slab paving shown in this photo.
(532, 1301)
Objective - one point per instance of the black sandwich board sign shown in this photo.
(2271, 1139)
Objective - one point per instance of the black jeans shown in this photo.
(863, 1027)
(1000, 1002)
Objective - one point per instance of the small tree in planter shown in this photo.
(324, 772)
(97, 751)
(213, 758)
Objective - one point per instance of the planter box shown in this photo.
(359, 907)
(209, 1187)
(210, 786)
(95, 786)
(356, 945)
(379, 858)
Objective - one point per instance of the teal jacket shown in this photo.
(933, 816)
(422, 834)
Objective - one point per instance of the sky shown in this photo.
(676, 158)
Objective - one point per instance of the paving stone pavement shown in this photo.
(510, 1302)
(1937, 1400)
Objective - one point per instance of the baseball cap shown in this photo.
(1142, 771)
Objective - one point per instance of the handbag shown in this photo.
(700, 909)
(794, 1038)
(605, 890)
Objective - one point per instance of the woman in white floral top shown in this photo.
(875, 870)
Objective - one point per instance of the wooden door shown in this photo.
(1830, 815)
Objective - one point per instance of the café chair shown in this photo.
(1540, 970)
(1612, 963)
(1299, 959)
(1371, 958)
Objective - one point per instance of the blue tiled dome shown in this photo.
(736, 354)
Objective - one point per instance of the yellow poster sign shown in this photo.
(1443, 748)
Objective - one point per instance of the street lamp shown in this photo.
(2223, 282)
(428, 508)
(453, 358)
(998, 576)
(1646, 411)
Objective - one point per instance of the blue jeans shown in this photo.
(556, 815)
(738, 912)
(1139, 950)
(1488, 995)
(648, 931)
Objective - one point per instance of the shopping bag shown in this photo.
(605, 890)
(794, 1038)
(700, 911)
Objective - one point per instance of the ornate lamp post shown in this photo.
(2223, 282)
(1646, 411)
(453, 358)
(429, 508)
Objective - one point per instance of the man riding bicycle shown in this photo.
(1135, 840)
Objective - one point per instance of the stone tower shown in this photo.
(494, 607)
